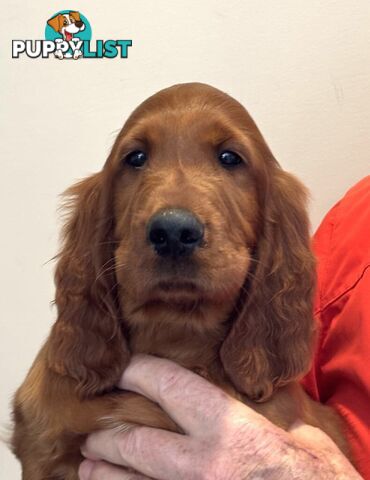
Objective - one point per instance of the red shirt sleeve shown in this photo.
(340, 375)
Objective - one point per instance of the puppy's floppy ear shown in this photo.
(76, 16)
(56, 22)
(86, 342)
(270, 343)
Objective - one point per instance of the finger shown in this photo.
(103, 471)
(192, 402)
(152, 452)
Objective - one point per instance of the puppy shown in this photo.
(191, 244)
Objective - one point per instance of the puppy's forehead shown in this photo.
(205, 127)
(189, 107)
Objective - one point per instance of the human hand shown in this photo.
(224, 439)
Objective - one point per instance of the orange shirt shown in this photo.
(340, 375)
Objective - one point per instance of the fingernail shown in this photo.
(83, 450)
(85, 469)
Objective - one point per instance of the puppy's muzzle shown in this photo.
(175, 233)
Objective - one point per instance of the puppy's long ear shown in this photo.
(270, 343)
(75, 16)
(56, 22)
(86, 342)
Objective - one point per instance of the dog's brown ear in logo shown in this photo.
(56, 22)
(76, 16)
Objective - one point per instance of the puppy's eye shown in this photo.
(229, 159)
(136, 159)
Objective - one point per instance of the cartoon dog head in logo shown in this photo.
(67, 24)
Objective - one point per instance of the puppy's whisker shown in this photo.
(105, 268)
(109, 269)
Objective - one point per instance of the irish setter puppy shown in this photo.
(191, 244)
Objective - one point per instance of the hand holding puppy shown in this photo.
(224, 439)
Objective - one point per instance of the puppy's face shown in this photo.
(190, 204)
(185, 207)
(67, 24)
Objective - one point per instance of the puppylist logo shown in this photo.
(68, 36)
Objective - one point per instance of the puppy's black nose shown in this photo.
(79, 23)
(174, 232)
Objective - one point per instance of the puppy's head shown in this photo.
(67, 24)
(191, 221)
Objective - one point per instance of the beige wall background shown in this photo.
(301, 68)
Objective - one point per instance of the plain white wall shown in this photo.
(301, 68)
